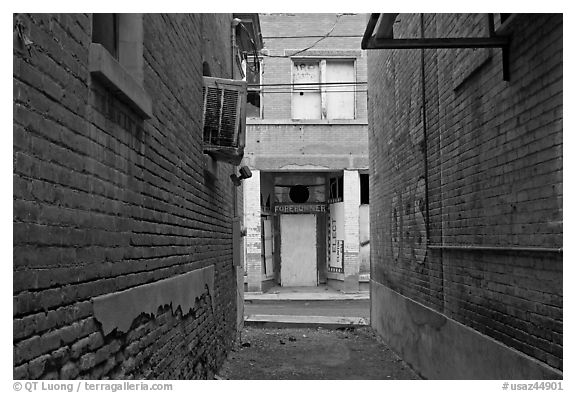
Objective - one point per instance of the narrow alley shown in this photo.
(287, 196)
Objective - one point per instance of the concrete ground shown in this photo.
(306, 307)
(313, 353)
(343, 308)
(320, 292)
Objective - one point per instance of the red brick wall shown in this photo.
(104, 201)
(492, 161)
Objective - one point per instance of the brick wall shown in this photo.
(277, 141)
(488, 165)
(277, 33)
(105, 201)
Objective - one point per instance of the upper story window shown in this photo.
(323, 89)
(116, 58)
(253, 78)
(105, 32)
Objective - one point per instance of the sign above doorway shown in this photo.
(300, 208)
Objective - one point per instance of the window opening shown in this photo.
(316, 92)
(105, 32)
(306, 99)
(364, 189)
(254, 94)
(336, 193)
(299, 194)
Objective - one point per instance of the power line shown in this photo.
(309, 84)
(310, 36)
(311, 90)
(314, 44)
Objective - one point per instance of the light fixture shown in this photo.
(244, 174)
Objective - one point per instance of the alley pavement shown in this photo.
(313, 353)
(311, 333)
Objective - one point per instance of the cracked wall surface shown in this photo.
(119, 309)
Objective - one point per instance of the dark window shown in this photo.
(333, 188)
(336, 188)
(206, 69)
(299, 194)
(105, 32)
(254, 89)
(364, 189)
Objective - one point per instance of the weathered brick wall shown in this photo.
(276, 141)
(491, 156)
(104, 201)
(277, 33)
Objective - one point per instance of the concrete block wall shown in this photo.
(493, 154)
(105, 201)
(277, 146)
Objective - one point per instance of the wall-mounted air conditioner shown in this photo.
(224, 119)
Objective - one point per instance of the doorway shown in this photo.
(298, 250)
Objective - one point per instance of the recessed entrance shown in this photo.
(298, 250)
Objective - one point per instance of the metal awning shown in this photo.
(379, 34)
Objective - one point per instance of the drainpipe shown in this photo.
(425, 129)
(235, 23)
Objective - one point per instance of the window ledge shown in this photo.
(107, 70)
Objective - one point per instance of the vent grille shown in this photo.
(224, 117)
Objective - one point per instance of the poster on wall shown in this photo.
(336, 237)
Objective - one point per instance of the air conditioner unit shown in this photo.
(224, 119)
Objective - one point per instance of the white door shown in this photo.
(298, 250)
(340, 98)
(306, 100)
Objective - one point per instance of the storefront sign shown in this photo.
(300, 208)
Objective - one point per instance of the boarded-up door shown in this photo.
(298, 250)
(306, 99)
(340, 98)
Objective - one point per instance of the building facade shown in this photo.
(466, 192)
(306, 205)
(126, 255)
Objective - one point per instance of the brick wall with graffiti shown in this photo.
(466, 178)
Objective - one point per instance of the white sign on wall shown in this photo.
(336, 261)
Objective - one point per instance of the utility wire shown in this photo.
(308, 84)
(310, 90)
(310, 36)
(314, 44)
